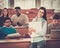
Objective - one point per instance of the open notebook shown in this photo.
(37, 26)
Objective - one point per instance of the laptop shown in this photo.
(55, 34)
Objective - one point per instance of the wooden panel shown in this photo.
(53, 44)
(21, 43)
(23, 32)
(15, 45)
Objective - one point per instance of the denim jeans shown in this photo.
(41, 44)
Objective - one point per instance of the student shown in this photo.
(3, 16)
(18, 18)
(55, 23)
(0, 18)
(6, 29)
(39, 41)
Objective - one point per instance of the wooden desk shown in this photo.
(53, 43)
(23, 31)
(21, 43)
(25, 43)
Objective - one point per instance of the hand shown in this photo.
(31, 30)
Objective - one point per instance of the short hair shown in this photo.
(56, 16)
(17, 8)
(5, 9)
(7, 19)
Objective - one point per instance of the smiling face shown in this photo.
(17, 11)
(7, 23)
(5, 12)
(56, 21)
(40, 13)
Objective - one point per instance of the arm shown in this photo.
(2, 34)
(26, 19)
(49, 28)
(43, 31)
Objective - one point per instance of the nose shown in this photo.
(56, 22)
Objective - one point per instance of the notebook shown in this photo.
(37, 26)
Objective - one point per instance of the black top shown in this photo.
(2, 20)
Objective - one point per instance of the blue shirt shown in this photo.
(4, 31)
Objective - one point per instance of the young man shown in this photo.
(19, 19)
(6, 29)
(55, 24)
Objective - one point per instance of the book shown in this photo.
(37, 26)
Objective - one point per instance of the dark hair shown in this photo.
(7, 13)
(44, 16)
(0, 11)
(56, 16)
(17, 8)
(7, 19)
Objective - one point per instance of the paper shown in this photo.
(35, 25)
(13, 35)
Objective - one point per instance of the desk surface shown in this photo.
(20, 27)
(15, 40)
(22, 40)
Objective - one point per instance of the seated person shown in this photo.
(55, 24)
(19, 19)
(6, 29)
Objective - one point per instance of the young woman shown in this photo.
(39, 40)
(4, 15)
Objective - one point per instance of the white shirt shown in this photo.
(40, 33)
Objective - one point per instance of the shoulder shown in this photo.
(44, 21)
(23, 14)
(50, 25)
(13, 15)
(2, 28)
(12, 28)
(34, 19)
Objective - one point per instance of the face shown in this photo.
(55, 21)
(5, 12)
(40, 13)
(17, 11)
(7, 23)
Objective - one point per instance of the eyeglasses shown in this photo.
(7, 21)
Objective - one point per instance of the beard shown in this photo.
(18, 14)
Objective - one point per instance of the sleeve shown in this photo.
(49, 29)
(34, 19)
(2, 35)
(44, 29)
(26, 19)
(12, 18)
(42, 32)
(14, 30)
